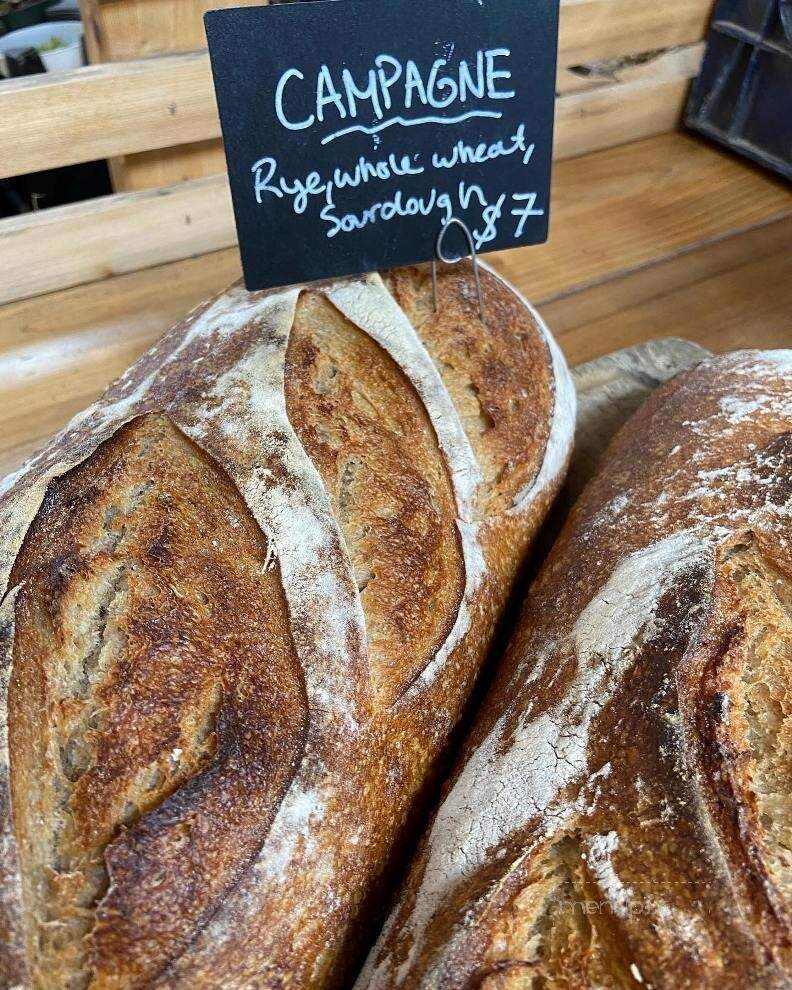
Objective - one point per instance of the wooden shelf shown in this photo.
(726, 295)
(149, 105)
(663, 237)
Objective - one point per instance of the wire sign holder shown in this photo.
(455, 221)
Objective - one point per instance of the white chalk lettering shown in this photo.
(387, 81)
(369, 92)
(466, 154)
(529, 199)
(279, 111)
(413, 83)
(494, 74)
(436, 85)
(467, 84)
(389, 84)
(323, 186)
(399, 206)
(327, 95)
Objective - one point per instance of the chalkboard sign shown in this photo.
(355, 129)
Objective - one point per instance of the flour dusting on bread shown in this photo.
(520, 773)
(599, 851)
(215, 385)
(652, 643)
(369, 305)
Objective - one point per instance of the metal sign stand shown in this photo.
(453, 261)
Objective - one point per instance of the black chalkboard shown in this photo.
(354, 129)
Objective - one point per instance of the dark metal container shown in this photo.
(743, 94)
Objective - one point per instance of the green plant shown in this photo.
(50, 44)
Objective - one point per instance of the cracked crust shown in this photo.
(620, 816)
(247, 594)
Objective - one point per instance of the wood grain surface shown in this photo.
(140, 106)
(596, 111)
(619, 210)
(593, 30)
(118, 31)
(175, 103)
(667, 237)
(103, 110)
(658, 196)
(98, 238)
(733, 293)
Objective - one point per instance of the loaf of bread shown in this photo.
(244, 598)
(621, 816)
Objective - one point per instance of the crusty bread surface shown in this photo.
(244, 598)
(621, 816)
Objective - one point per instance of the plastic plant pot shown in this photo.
(68, 55)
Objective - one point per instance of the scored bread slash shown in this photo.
(244, 599)
(619, 814)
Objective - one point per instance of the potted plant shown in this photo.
(58, 44)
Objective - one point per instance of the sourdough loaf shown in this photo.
(244, 597)
(621, 815)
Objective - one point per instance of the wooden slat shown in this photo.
(665, 66)
(605, 118)
(593, 30)
(618, 210)
(57, 352)
(105, 110)
(733, 294)
(653, 228)
(671, 191)
(590, 30)
(152, 169)
(649, 102)
(109, 110)
(576, 307)
(124, 30)
(98, 238)
(118, 30)
(130, 231)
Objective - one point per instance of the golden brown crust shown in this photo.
(258, 588)
(157, 709)
(487, 373)
(365, 429)
(620, 816)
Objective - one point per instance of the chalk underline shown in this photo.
(411, 123)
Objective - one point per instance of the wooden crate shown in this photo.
(652, 232)
(160, 112)
(609, 89)
(662, 237)
(127, 30)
